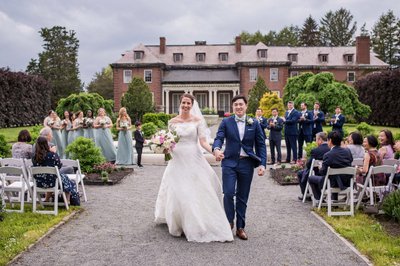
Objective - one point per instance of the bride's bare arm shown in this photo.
(205, 145)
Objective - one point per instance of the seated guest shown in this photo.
(317, 154)
(355, 142)
(45, 157)
(386, 142)
(396, 178)
(22, 149)
(337, 157)
(371, 158)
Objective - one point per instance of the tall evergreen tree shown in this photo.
(309, 33)
(102, 83)
(288, 36)
(255, 95)
(337, 28)
(386, 38)
(58, 63)
(363, 30)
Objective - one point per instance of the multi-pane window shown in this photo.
(200, 57)
(273, 74)
(175, 102)
(224, 101)
(351, 76)
(262, 53)
(349, 58)
(292, 57)
(201, 98)
(223, 56)
(294, 73)
(178, 57)
(138, 55)
(148, 75)
(323, 58)
(127, 76)
(253, 73)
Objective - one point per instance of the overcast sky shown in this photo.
(105, 29)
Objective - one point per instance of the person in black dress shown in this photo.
(139, 141)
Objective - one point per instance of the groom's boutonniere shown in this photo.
(250, 121)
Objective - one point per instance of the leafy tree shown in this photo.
(288, 36)
(363, 30)
(5, 148)
(255, 95)
(137, 99)
(102, 83)
(309, 33)
(271, 100)
(381, 91)
(386, 38)
(323, 88)
(337, 28)
(58, 63)
(82, 102)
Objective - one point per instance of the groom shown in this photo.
(245, 150)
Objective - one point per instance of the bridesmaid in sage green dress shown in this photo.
(70, 129)
(78, 125)
(65, 125)
(125, 149)
(54, 122)
(88, 130)
(103, 137)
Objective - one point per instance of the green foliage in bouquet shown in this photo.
(86, 152)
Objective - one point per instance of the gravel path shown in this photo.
(117, 228)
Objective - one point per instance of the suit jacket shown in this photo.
(318, 120)
(275, 133)
(339, 123)
(263, 124)
(291, 123)
(139, 140)
(337, 157)
(317, 154)
(305, 126)
(253, 142)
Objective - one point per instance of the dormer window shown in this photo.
(138, 55)
(262, 53)
(349, 58)
(223, 57)
(200, 57)
(323, 58)
(292, 57)
(178, 57)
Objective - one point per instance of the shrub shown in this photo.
(309, 147)
(35, 133)
(365, 129)
(391, 205)
(104, 176)
(154, 117)
(149, 129)
(396, 136)
(271, 100)
(5, 148)
(86, 152)
(160, 124)
(208, 111)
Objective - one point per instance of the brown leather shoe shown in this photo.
(231, 225)
(241, 234)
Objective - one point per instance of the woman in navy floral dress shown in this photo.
(44, 157)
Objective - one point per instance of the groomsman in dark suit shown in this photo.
(338, 120)
(317, 154)
(319, 118)
(261, 120)
(305, 127)
(275, 126)
(291, 132)
(139, 141)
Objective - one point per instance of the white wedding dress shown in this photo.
(190, 196)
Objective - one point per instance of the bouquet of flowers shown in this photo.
(103, 122)
(50, 123)
(88, 122)
(164, 142)
(123, 124)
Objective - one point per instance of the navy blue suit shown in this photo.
(291, 133)
(305, 131)
(317, 123)
(338, 124)
(337, 157)
(275, 138)
(237, 172)
(317, 154)
(263, 124)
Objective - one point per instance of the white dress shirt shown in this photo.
(241, 127)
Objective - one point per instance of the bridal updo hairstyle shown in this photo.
(187, 95)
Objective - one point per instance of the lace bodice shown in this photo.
(188, 132)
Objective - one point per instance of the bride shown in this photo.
(189, 199)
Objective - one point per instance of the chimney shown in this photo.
(162, 45)
(238, 44)
(362, 50)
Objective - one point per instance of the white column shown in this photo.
(210, 104)
(162, 99)
(215, 100)
(167, 101)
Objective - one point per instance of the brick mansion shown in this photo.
(214, 73)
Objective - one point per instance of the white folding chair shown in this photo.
(78, 176)
(10, 173)
(390, 162)
(328, 190)
(57, 189)
(308, 190)
(357, 162)
(368, 183)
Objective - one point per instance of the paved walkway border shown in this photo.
(344, 240)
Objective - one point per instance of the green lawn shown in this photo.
(352, 127)
(11, 134)
(368, 236)
(19, 230)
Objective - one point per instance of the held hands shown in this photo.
(261, 171)
(219, 155)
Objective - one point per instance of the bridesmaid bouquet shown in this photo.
(164, 142)
(50, 123)
(88, 122)
(103, 122)
(124, 124)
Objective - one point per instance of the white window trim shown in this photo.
(261, 51)
(254, 71)
(222, 55)
(125, 76)
(348, 76)
(151, 75)
(176, 56)
(277, 75)
(198, 57)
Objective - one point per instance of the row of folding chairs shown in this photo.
(388, 168)
(17, 179)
